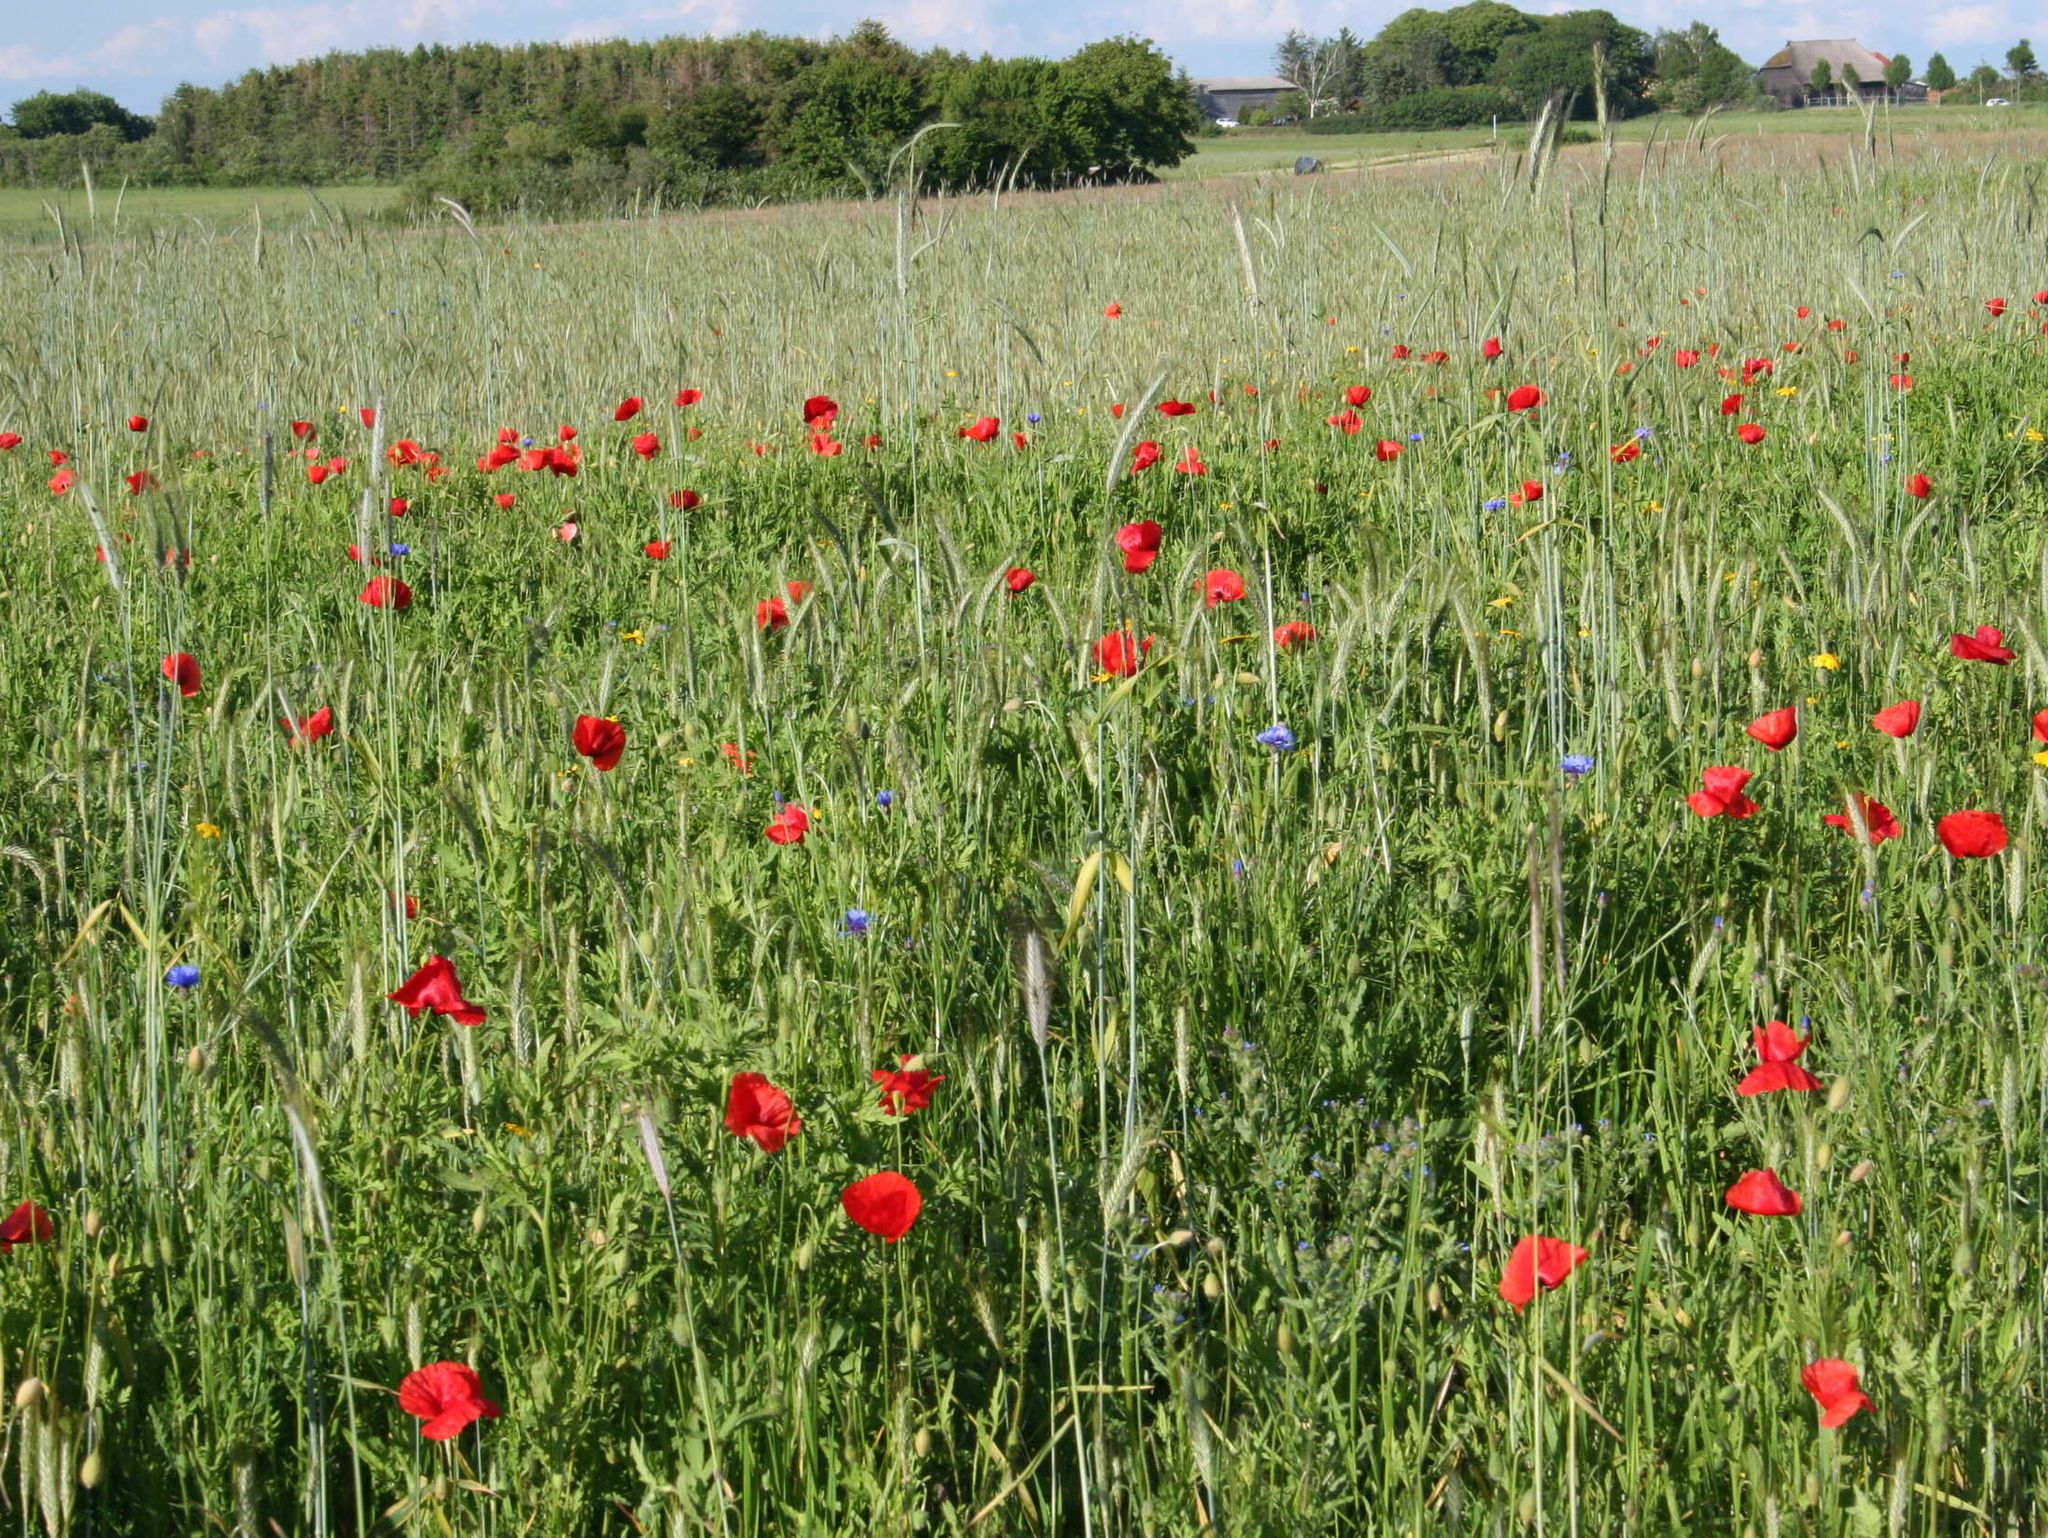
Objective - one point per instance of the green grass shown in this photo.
(1268, 149)
(26, 212)
(1325, 1031)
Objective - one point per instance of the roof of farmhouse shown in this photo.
(1836, 53)
(1246, 83)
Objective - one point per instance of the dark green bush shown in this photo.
(1455, 106)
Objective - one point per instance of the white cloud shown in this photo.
(18, 61)
(696, 18)
(1958, 24)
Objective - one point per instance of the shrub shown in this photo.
(1456, 106)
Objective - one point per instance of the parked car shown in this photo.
(1226, 122)
(1997, 101)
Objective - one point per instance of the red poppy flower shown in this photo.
(386, 592)
(1387, 450)
(872, 440)
(1624, 453)
(744, 762)
(435, 986)
(447, 1396)
(1900, 720)
(304, 430)
(1995, 306)
(982, 429)
(1176, 408)
(683, 500)
(1776, 729)
(885, 1204)
(62, 481)
(627, 409)
(1972, 835)
(1144, 456)
(2041, 297)
(771, 614)
(1491, 348)
(1297, 632)
(647, 445)
(1878, 822)
(1752, 367)
(2041, 726)
(1722, 793)
(788, 826)
(1120, 654)
(1686, 357)
(656, 549)
(1348, 420)
(820, 412)
(1839, 325)
(1778, 1047)
(505, 500)
(1730, 404)
(1761, 1194)
(1399, 353)
(140, 482)
(1139, 543)
(317, 473)
(1439, 357)
(1984, 644)
(1902, 381)
(1918, 485)
(1357, 395)
(182, 669)
(825, 446)
(26, 1224)
(799, 590)
(1018, 578)
(1117, 411)
(1525, 398)
(1537, 1260)
(757, 1109)
(138, 424)
(904, 1088)
(367, 416)
(400, 507)
(1836, 1388)
(1113, 311)
(310, 728)
(9, 442)
(1222, 586)
(1190, 462)
(688, 397)
(1531, 491)
(599, 740)
(1750, 433)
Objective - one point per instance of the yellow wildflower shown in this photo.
(1827, 660)
(206, 830)
(1786, 392)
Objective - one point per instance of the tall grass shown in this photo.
(1257, 1064)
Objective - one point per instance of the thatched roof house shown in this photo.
(1788, 73)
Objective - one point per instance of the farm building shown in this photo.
(1233, 95)
(1788, 73)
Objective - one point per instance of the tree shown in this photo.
(1851, 80)
(1558, 57)
(1317, 67)
(1823, 80)
(1897, 73)
(1695, 70)
(2020, 60)
(1119, 105)
(47, 114)
(1940, 77)
(1985, 79)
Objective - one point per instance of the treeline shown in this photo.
(689, 120)
(1452, 68)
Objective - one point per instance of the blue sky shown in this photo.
(137, 50)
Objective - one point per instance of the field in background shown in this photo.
(26, 212)
(1217, 1200)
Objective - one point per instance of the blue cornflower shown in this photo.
(885, 799)
(526, 443)
(1278, 738)
(1415, 437)
(401, 549)
(1576, 764)
(856, 921)
(1495, 504)
(183, 975)
(1644, 433)
(1032, 417)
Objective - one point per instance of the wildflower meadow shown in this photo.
(1268, 856)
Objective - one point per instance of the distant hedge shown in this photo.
(1453, 106)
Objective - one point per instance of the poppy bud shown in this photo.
(1283, 1339)
(93, 1470)
(477, 1219)
(1862, 1171)
(1838, 1096)
(921, 1444)
(30, 1394)
(1212, 1286)
(195, 1060)
(92, 1225)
